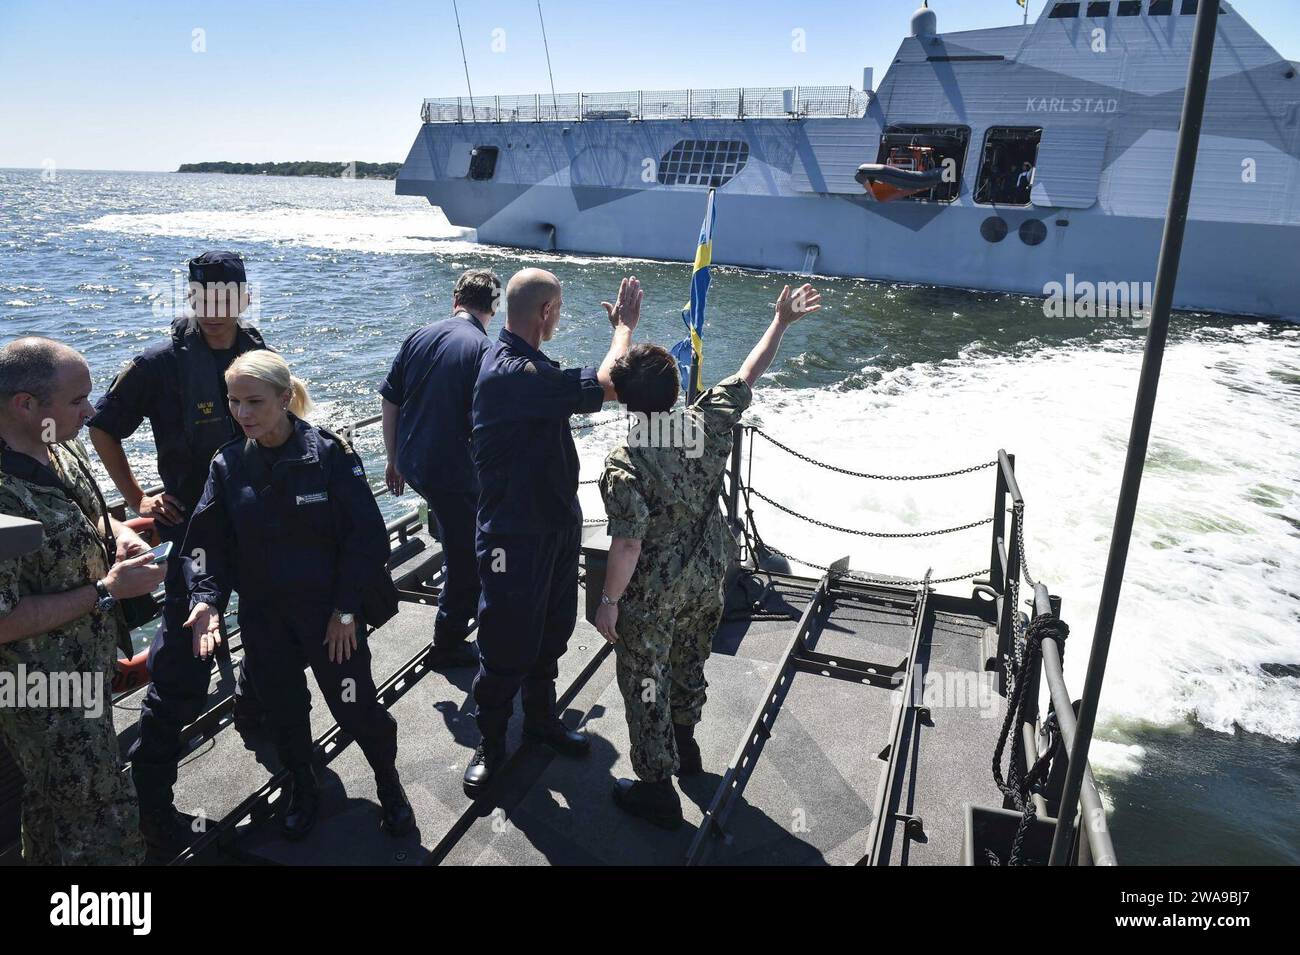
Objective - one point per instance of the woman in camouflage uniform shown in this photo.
(669, 555)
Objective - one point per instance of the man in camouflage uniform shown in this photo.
(59, 623)
(669, 555)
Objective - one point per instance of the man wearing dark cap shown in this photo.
(179, 385)
(426, 405)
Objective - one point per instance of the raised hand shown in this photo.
(626, 310)
(792, 306)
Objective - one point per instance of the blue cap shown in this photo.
(217, 267)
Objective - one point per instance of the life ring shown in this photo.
(131, 674)
(146, 528)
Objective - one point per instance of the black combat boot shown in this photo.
(302, 800)
(688, 751)
(552, 731)
(397, 816)
(488, 759)
(168, 831)
(656, 803)
(449, 656)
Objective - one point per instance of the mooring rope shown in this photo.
(1016, 787)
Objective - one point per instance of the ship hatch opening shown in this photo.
(920, 148)
(483, 162)
(1007, 172)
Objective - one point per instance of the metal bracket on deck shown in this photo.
(760, 730)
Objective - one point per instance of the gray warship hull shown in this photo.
(1095, 114)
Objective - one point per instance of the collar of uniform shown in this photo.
(302, 445)
(473, 318)
(24, 467)
(522, 348)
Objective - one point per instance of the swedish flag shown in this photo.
(689, 352)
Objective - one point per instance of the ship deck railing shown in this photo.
(754, 102)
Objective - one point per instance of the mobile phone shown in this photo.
(161, 552)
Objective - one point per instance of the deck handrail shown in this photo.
(1007, 569)
(772, 102)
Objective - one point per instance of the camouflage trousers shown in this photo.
(79, 808)
(660, 657)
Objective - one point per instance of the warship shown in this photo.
(854, 717)
(1047, 146)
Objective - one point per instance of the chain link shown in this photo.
(1020, 535)
(874, 477)
(862, 578)
(597, 424)
(882, 534)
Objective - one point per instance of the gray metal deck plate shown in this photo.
(567, 817)
(953, 757)
(436, 737)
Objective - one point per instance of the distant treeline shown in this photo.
(332, 170)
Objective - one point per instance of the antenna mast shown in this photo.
(463, 58)
(555, 106)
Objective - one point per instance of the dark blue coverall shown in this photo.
(297, 533)
(184, 397)
(529, 525)
(432, 383)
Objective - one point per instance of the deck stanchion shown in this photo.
(1171, 248)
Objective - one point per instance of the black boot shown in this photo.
(488, 758)
(397, 816)
(552, 731)
(656, 803)
(302, 800)
(688, 751)
(168, 831)
(449, 656)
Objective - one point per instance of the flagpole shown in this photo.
(692, 392)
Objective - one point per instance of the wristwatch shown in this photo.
(346, 619)
(606, 601)
(106, 601)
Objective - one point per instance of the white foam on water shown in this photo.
(1212, 588)
(422, 229)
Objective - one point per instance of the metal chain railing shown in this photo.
(882, 534)
(873, 477)
(597, 423)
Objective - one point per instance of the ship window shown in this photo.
(1161, 8)
(1007, 172)
(483, 162)
(1130, 8)
(1099, 10)
(1064, 11)
(927, 147)
(703, 162)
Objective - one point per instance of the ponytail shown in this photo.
(300, 402)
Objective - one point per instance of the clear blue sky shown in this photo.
(112, 84)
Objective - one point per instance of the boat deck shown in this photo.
(812, 797)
